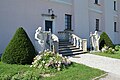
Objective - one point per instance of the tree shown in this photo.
(20, 50)
(105, 40)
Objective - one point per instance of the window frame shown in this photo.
(115, 26)
(68, 22)
(96, 1)
(97, 28)
(115, 5)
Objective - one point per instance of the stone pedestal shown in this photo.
(84, 45)
(55, 47)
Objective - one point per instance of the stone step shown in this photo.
(64, 42)
(71, 48)
(75, 53)
(67, 49)
(70, 51)
(66, 46)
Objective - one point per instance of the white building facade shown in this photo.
(79, 16)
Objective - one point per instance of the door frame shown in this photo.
(50, 26)
(49, 19)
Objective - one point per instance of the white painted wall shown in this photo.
(27, 13)
(92, 20)
(94, 6)
(117, 18)
(81, 21)
(109, 18)
(105, 12)
(95, 12)
(63, 1)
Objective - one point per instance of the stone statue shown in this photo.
(39, 36)
(95, 40)
(43, 40)
(91, 40)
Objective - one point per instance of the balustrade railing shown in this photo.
(78, 42)
(63, 35)
(74, 39)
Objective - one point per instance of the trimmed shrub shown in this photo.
(20, 50)
(105, 40)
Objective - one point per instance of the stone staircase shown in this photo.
(67, 49)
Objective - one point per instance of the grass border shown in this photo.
(101, 76)
(114, 56)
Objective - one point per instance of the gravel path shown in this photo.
(110, 65)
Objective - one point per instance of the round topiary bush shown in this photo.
(20, 50)
(105, 40)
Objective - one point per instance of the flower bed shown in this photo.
(110, 52)
(48, 60)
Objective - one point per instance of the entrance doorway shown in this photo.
(48, 25)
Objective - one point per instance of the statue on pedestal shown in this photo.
(43, 40)
(40, 43)
(94, 40)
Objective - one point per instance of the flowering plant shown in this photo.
(47, 60)
(117, 48)
(106, 49)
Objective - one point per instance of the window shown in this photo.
(68, 21)
(115, 26)
(97, 24)
(96, 1)
(115, 5)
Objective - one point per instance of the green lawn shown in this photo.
(116, 55)
(21, 72)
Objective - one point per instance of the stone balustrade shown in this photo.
(78, 42)
(74, 39)
(63, 35)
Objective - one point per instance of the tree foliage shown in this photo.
(20, 50)
(105, 40)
